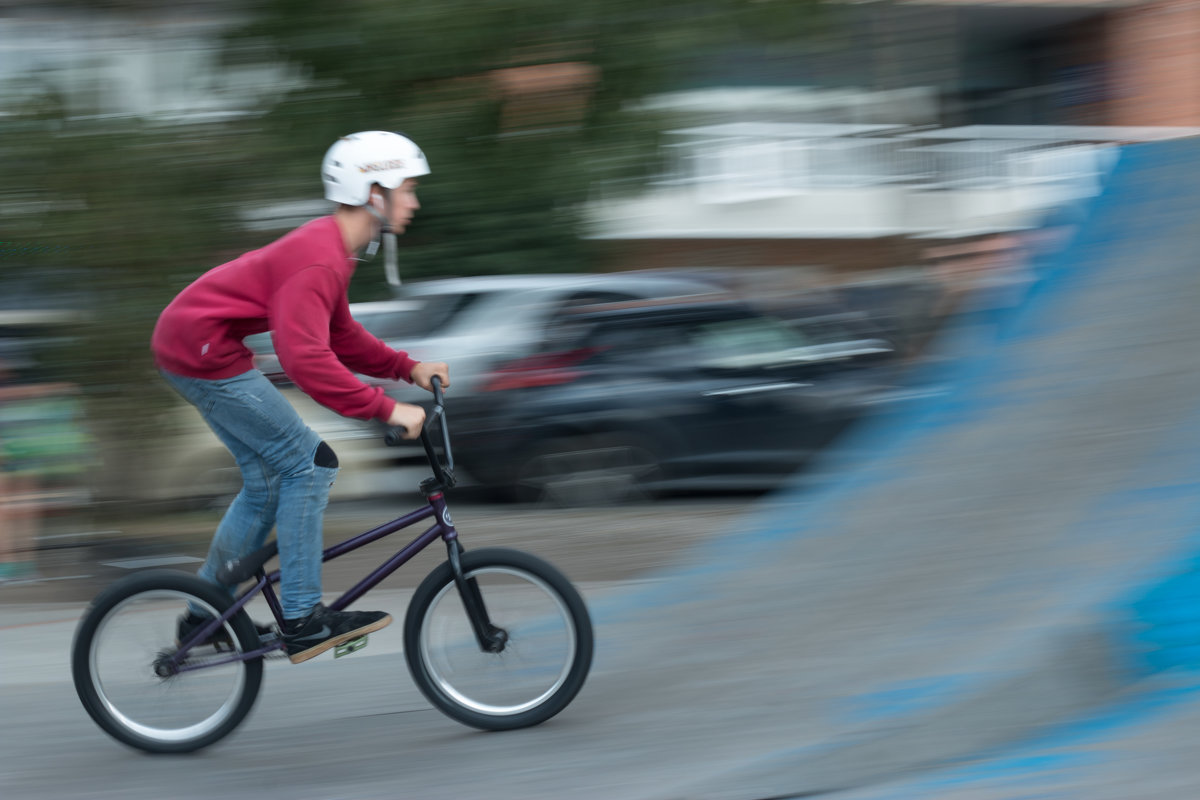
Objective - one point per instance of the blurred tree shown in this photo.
(521, 107)
(113, 217)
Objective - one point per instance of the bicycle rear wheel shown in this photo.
(542, 663)
(118, 663)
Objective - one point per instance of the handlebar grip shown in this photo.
(395, 435)
(443, 473)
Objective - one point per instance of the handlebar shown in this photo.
(395, 436)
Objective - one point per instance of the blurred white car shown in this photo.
(475, 323)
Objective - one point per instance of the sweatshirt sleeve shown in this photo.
(361, 351)
(301, 312)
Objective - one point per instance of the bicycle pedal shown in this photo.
(349, 647)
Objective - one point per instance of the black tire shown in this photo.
(539, 610)
(127, 628)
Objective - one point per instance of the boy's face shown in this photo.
(403, 205)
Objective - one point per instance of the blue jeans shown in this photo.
(282, 486)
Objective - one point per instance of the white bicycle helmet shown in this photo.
(355, 162)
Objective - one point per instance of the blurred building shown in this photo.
(850, 197)
(911, 121)
(1106, 62)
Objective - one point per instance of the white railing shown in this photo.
(741, 162)
(757, 180)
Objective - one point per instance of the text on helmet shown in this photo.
(381, 166)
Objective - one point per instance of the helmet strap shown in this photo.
(384, 226)
(390, 269)
(372, 249)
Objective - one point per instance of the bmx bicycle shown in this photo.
(494, 638)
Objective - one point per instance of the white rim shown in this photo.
(448, 689)
(193, 731)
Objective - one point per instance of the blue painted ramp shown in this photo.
(1008, 554)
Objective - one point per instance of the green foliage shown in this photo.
(510, 167)
(128, 214)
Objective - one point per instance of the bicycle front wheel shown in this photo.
(119, 662)
(546, 648)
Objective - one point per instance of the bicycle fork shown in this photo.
(491, 638)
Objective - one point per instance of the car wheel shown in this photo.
(587, 471)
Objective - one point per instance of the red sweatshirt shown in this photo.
(296, 288)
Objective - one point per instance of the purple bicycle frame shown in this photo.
(443, 528)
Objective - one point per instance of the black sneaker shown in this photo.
(323, 629)
(191, 621)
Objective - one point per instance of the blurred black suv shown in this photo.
(632, 399)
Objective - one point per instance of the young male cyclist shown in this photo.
(296, 287)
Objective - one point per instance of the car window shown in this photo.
(409, 320)
(433, 314)
(385, 325)
(747, 342)
(665, 345)
(560, 322)
(593, 297)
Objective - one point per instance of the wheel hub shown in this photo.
(497, 640)
(164, 667)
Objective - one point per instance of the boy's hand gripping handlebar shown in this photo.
(443, 473)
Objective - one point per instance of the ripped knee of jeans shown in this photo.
(325, 457)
